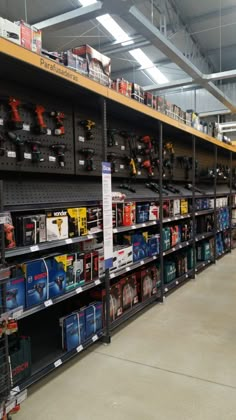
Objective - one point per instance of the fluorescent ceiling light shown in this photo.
(87, 2)
(115, 30)
(148, 66)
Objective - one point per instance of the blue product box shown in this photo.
(142, 213)
(98, 316)
(81, 321)
(36, 282)
(153, 246)
(93, 319)
(71, 332)
(15, 290)
(56, 275)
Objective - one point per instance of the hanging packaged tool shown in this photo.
(88, 125)
(59, 117)
(19, 143)
(88, 153)
(111, 132)
(40, 126)
(59, 150)
(111, 157)
(15, 122)
(35, 150)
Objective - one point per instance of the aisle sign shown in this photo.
(107, 214)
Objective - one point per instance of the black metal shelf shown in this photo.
(131, 267)
(177, 282)
(121, 229)
(222, 230)
(176, 218)
(200, 266)
(15, 252)
(202, 236)
(20, 314)
(222, 254)
(130, 313)
(57, 361)
(203, 212)
(177, 247)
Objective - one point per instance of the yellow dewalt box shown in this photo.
(77, 222)
(183, 206)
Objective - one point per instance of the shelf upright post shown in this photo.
(194, 203)
(161, 208)
(107, 334)
(215, 210)
(230, 197)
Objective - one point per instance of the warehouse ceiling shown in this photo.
(202, 31)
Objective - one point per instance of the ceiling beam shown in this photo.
(75, 16)
(211, 15)
(136, 67)
(170, 85)
(149, 31)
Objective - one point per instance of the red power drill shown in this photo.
(16, 122)
(148, 165)
(59, 117)
(40, 127)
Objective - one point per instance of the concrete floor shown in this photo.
(176, 361)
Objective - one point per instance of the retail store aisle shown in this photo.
(177, 361)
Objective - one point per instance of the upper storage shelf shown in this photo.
(22, 65)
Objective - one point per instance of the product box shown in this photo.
(181, 264)
(93, 319)
(175, 237)
(10, 30)
(129, 213)
(57, 225)
(148, 99)
(99, 66)
(94, 219)
(74, 268)
(56, 267)
(129, 292)
(137, 93)
(176, 207)
(166, 238)
(36, 282)
(115, 301)
(123, 255)
(36, 40)
(184, 206)
(70, 332)
(91, 267)
(154, 212)
(122, 86)
(15, 290)
(150, 281)
(142, 213)
(77, 221)
(25, 34)
(140, 246)
(153, 243)
(190, 258)
(169, 271)
(73, 61)
(160, 104)
(117, 214)
(31, 229)
(166, 208)
(9, 233)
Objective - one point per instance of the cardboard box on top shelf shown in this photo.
(10, 31)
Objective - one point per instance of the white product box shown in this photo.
(10, 31)
(57, 225)
(176, 207)
(154, 212)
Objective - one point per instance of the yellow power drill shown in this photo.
(88, 126)
(58, 222)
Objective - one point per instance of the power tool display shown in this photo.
(40, 125)
(59, 118)
(88, 153)
(88, 126)
(15, 122)
(59, 150)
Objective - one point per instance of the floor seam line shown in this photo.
(167, 370)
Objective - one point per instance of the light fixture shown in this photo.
(87, 2)
(148, 66)
(227, 127)
(115, 30)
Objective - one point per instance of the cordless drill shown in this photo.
(16, 122)
(58, 222)
(59, 117)
(88, 126)
(35, 151)
(88, 154)
(111, 157)
(40, 127)
(20, 145)
(9, 236)
(59, 150)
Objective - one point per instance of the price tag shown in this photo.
(68, 241)
(17, 314)
(154, 257)
(122, 147)
(182, 217)
(90, 236)
(49, 132)
(166, 290)
(187, 243)
(176, 218)
(196, 214)
(141, 262)
(169, 220)
(180, 246)
(176, 282)
(112, 275)
(139, 160)
(27, 156)
(203, 265)
(164, 253)
(139, 147)
(144, 225)
(122, 166)
(127, 268)
(52, 159)
(95, 338)
(34, 248)
(139, 173)
(81, 162)
(1, 121)
(79, 290)
(133, 227)
(48, 303)
(9, 406)
(79, 349)
(97, 282)
(155, 222)
(173, 249)
(203, 236)
(115, 230)
(15, 391)
(58, 363)
(26, 127)
(81, 138)
(11, 154)
(196, 270)
(22, 397)
(186, 276)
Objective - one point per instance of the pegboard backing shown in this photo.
(83, 113)
(38, 194)
(29, 98)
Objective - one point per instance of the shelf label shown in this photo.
(155, 222)
(21, 397)
(196, 214)
(164, 253)
(9, 406)
(180, 246)
(144, 225)
(203, 264)
(26, 127)
(122, 166)
(115, 230)
(122, 147)
(49, 132)
(79, 290)
(112, 275)
(166, 290)
(139, 173)
(97, 282)
(81, 138)
(176, 282)
(81, 162)
(203, 236)
(141, 262)
(11, 154)
(133, 227)
(139, 160)
(127, 268)
(52, 159)
(173, 249)
(1, 121)
(154, 257)
(187, 243)
(48, 303)
(169, 220)
(68, 241)
(34, 248)
(79, 349)
(186, 276)
(17, 314)
(27, 156)
(95, 338)
(58, 363)
(90, 236)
